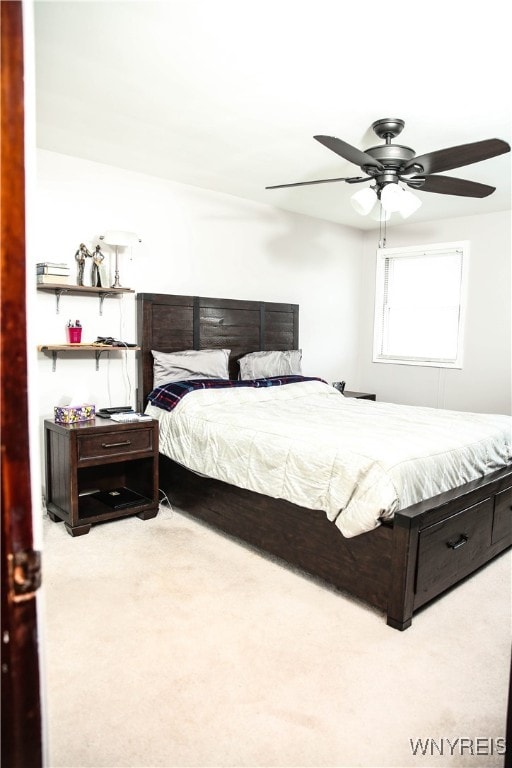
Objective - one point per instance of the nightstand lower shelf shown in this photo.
(90, 517)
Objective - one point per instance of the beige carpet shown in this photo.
(168, 644)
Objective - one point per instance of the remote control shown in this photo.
(124, 417)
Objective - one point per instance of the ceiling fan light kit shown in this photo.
(388, 164)
(393, 198)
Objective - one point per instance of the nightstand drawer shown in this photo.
(115, 443)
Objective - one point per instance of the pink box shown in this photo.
(74, 335)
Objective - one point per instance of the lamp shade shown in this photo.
(364, 200)
(409, 204)
(379, 214)
(395, 198)
(120, 238)
(391, 197)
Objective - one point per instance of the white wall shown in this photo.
(204, 243)
(194, 242)
(484, 383)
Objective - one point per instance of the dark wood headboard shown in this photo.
(170, 323)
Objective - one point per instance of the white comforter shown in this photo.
(357, 460)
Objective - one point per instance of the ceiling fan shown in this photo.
(388, 164)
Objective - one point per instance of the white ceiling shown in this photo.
(227, 94)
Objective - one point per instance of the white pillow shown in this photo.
(190, 364)
(262, 365)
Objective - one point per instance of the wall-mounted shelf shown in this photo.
(58, 289)
(54, 349)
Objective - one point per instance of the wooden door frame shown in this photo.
(21, 703)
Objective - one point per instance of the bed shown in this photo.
(398, 566)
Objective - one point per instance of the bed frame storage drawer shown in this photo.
(502, 524)
(453, 548)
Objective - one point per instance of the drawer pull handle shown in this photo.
(459, 543)
(116, 445)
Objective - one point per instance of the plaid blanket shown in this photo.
(168, 396)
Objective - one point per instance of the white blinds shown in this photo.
(418, 319)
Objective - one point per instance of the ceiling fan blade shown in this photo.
(348, 179)
(456, 157)
(447, 185)
(348, 152)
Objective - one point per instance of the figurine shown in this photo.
(80, 257)
(97, 259)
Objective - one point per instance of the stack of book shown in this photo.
(49, 272)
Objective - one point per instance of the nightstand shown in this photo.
(360, 395)
(99, 455)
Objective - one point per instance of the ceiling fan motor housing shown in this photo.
(393, 157)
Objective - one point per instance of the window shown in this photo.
(419, 305)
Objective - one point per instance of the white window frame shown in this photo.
(379, 352)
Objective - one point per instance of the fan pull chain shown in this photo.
(382, 240)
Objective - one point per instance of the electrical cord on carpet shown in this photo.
(163, 501)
